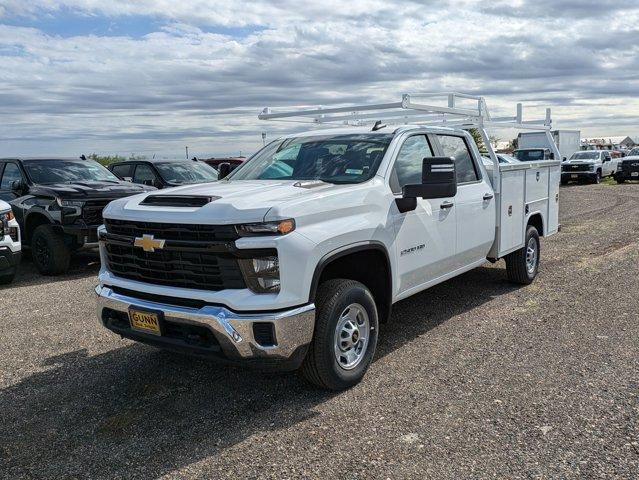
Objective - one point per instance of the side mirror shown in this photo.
(18, 186)
(223, 170)
(551, 155)
(439, 179)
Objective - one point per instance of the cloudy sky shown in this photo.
(151, 76)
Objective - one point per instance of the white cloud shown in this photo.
(185, 85)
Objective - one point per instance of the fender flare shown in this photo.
(347, 250)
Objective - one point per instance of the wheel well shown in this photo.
(369, 265)
(538, 222)
(34, 220)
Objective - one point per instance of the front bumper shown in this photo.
(9, 261)
(82, 234)
(626, 175)
(579, 175)
(216, 332)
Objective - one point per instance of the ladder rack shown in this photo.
(412, 110)
(416, 109)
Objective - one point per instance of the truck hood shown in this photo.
(239, 201)
(89, 190)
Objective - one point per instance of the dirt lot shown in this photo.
(474, 378)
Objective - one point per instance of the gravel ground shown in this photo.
(474, 378)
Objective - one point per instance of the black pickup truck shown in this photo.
(58, 204)
(628, 167)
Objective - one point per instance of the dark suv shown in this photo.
(164, 173)
(58, 204)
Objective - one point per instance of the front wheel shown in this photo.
(522, 266)
(7, 278)
(345, 336)
(597, 178)
(50, 253)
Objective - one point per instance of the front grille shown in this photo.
(190, 258)
(630, 166)
(575, 168)
(92, 211)
(171, 231)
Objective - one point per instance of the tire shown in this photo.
(518, 267)
(336, 302)
(51, 255)
(621, 180)
(597, 179)
(6, 279)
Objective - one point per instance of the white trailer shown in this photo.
(566, 141)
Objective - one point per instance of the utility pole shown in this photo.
(187, 152)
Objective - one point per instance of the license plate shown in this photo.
(143, 321)
(634, 174)
(574, 175)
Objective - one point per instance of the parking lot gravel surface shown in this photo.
(474, 378)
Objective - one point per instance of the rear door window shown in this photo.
(457, 148)
(143, 173)
(122, 171)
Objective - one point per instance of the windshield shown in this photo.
(585, 156)
(67, 171)
(186, 172)
(529, 155)
(333, 159)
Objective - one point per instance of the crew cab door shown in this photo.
(474, 203)
(426, 236)
(607, 167)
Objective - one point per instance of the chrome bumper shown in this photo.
(234, 331)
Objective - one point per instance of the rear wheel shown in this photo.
(522, 266)
(50, 253)
(345, 336)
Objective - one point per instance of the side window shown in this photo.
(408, 166)
(11, 173)
(457, 148)
(122, 171)
(143, 173)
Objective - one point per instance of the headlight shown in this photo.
(592, 168)
(70, 203)
(262, 275)
(280, 227)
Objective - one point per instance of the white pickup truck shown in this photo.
(295, 258)
(10, 245)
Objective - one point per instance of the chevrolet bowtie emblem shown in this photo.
(148, 243)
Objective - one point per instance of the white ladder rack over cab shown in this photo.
(521, 189)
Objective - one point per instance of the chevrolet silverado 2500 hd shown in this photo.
(295, 258)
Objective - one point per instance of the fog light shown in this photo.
(262, 275)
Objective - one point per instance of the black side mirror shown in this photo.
(551, 155)
(439, 180)
(18, 186)
(223, 170)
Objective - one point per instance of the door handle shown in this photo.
(446, 205)
(488, 196)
